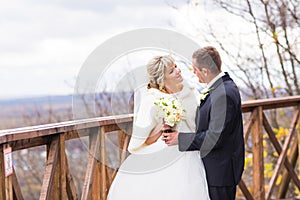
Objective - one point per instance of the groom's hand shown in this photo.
(170, 138)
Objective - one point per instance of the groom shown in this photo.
(219, 128)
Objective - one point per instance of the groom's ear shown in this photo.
(205, 70)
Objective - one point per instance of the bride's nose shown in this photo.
(178, 71)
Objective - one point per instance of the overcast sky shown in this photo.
(44, 43)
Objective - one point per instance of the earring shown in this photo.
(163, 89)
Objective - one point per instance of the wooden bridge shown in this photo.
(58, 180)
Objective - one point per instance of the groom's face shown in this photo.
(198, 72)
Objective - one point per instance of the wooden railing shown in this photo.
(58, 180)
(256, 124)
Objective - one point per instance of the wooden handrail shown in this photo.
(266, 104)
(29, 132)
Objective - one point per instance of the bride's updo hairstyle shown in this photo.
(156, 71)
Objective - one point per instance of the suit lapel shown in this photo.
(203, 101)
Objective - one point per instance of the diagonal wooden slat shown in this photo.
(109, 176)
(114, 174)
(245, 190)
(286, 178)
(50, 168)
(283, 154)
(16, 187)
(124, 148)
(93, 152)
(71, 189)
(121, 142)
(278, 148)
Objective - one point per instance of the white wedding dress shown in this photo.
(157, 171)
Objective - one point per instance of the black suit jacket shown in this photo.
(219, 134)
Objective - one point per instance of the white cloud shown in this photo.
(44, 43)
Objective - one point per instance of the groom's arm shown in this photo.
(222, 116)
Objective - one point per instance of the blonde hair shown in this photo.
(156, 71)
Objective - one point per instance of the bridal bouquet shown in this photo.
(170, 110)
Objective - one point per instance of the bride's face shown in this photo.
(172, 75)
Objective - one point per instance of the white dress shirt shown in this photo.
(215, 79)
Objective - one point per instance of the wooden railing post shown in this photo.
(92, 163)
(71, 189)
(49, 175)
(103, 164)
(258, 159)
(2, 176)
(58, 190)
(8, 183)
(96, 188)
(62, 171)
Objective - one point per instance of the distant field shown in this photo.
(41, 110)
(32, 111)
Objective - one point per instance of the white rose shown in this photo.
(170, 120)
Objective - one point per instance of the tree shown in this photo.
(264, 56)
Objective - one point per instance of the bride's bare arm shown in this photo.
(154, 135)
(157, 132)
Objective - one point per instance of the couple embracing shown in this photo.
(198, 156)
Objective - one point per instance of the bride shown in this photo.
(155, 171)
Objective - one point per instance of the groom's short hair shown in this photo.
(208, 57)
